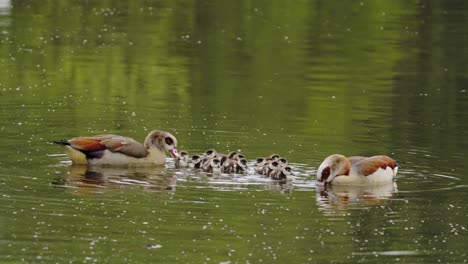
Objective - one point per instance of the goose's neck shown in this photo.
(345, 169)
(152, 142)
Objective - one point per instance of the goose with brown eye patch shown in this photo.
(340, 170)
(109, 149)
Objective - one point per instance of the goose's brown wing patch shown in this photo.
(370, 165)
(87, 144)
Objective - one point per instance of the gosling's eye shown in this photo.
(169, 141)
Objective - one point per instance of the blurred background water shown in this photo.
(304, 79)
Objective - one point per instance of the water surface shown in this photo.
(303, 79)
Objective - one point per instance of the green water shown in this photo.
(304, 79)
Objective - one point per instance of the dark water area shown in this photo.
(304, 79)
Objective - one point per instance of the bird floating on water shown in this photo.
(213, 162)
(274, 167)
(108, 149)
(357, 170)
(184, 159)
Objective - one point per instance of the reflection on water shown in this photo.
(302, 78)
(340, 199)
(85, 177)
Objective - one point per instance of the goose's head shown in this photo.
(164, 141)
(331, 167)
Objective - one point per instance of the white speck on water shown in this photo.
(156, 246)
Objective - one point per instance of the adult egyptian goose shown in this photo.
(340, 170)
(110, 149)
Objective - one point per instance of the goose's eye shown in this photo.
(169, 141)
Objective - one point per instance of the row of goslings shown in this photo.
(274, 167)
(213, 162)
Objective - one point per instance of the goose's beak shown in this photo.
(174, 154)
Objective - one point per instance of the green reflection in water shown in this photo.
(302, 79)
